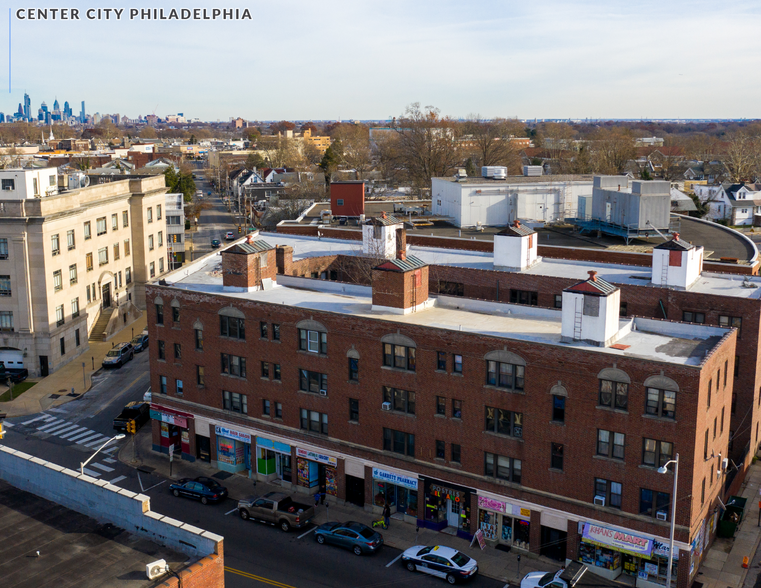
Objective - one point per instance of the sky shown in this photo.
(338, 59)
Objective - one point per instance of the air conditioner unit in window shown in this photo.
(323, 392)
(599, 501)
(661, 515)
(386, 406)
(724, 464)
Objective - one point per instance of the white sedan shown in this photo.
(440, 561)
(542, 580)
(229, 236)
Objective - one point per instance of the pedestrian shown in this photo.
(386, 514)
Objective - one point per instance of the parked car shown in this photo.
(229, 235)
(440, 561)
(119, 355)
(574, 575)
(215, 243)
(276, 508)
(138, 411)
(193, 489)
(140, 343)
(541, 579)
(210, 483)
(355, 536)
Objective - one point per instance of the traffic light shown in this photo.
(131, 428)
(2, 433)
(239, 229)
(174, 238)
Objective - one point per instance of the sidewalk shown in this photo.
(722, 565)
(55, 389)
(491, 562)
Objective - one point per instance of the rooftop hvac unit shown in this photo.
(78, 180)
(155, 569)
(494, 172)
(532, 170)
(386, 406)
(599, 501)
(661, 515)
(460, 174)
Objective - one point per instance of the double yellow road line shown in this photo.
(257, 578)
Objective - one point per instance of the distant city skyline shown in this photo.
(580, 59)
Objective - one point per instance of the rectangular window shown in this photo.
(623, 309)
(556, 456)
(441, 361)
(88, 231)
(610, 491)
(128, 275)
(524, 297)
(313, 382)
(150, 242)
(57, 280)
(200, 376)
(726, 370)
(158, 212)
(117, 251)
(152, 269)
(276, 371)
(161, 238)
(159, 314)
(150, 215)
(177, 351)
(457, 364)
(456, 409)
(656, 453)
(3, 248)
(441, 405)
(313, 341)
(5, 286)
(199, 339)
(162, 384)
(88, 262)
(77, 341)
(263, 330)
(233, 365)
(6, 321)
(731, 321)
(353, 369)
(399, 356)
(400, 400)
(232, 327)
(689, 316)
(126, 248)
(125, 219)
(265, 369)
(558, 409)
(353, 409)
(661, 403)
(399, 442)
(89, 298)
(652, 503)
(55, 245)
(9, 184)
(614, 394)
(278, 410)
(75, 308)
(235, 402)
(59, 315)
(103, 256)
(504, 422)
(275, 332)
(558, 301)
(114, 222)
(610, 444)
(710, 385)
(161, 265)
(504, 468)
(175, 314)
(313, 421)
(591, 305)
(455, 451)
(62, 343)
(505, 375)
(70, 241)
(721, 429)
(162, 353)
(100, 226)
(266, 407)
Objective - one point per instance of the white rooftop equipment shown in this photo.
(494, 172)
(532, 170)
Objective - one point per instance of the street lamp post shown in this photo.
(663, 470)
(89, 459)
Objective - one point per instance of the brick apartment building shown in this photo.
(542, 427)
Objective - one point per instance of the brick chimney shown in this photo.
(400, 285)
(249, 266)
(284, 257)
(515, 248)
(676, 263)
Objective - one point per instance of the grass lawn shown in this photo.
(18, 390)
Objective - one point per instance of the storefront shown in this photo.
(397, 490)
(273, 460)
(233, 449)
(614, 552)
(446, 505)
(504, 522)
(173, 430)
(316, 471)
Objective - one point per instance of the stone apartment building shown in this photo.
(73, 264)
(543, 427)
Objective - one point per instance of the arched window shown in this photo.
(175, 304)
(614, 389)
(505, 369)
(198, 330)
(313, 336)
(661, 396)
(399, 352)
(158, 303)
(232, 323)
(353, 357)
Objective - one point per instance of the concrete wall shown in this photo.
(103, 502)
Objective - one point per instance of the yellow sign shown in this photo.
(525, 512)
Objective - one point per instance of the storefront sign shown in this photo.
(273, 445)
(444, 492)
(230, 434)
(396, 479)
(491, 504)
(172, 419)
(619, 540)
(661, 549)
(318, 457)
(524, 512)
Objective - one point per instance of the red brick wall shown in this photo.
(208, 572)
(243, 270)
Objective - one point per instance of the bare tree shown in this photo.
(489, 142)
(611, 150)
(742, 156)
(355, 140)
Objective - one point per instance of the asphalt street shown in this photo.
(214, 223)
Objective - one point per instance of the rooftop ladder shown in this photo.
(577, 319)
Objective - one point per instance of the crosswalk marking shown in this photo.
(47, 426)
(91, 473)
(100, 466)
(74, 433)
(85, 433)
(62, 429)
(33, 420)
(117, 479)
(49, 418)
(87, 437)
(110, 449)
(109, 460)
(9, 425)
(95, 442)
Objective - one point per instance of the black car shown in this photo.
(140, 343)
(210, 483)
(215, 243)
(197, 490)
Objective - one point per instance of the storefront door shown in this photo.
(453, 514)
(203, 448)
(283, 466)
